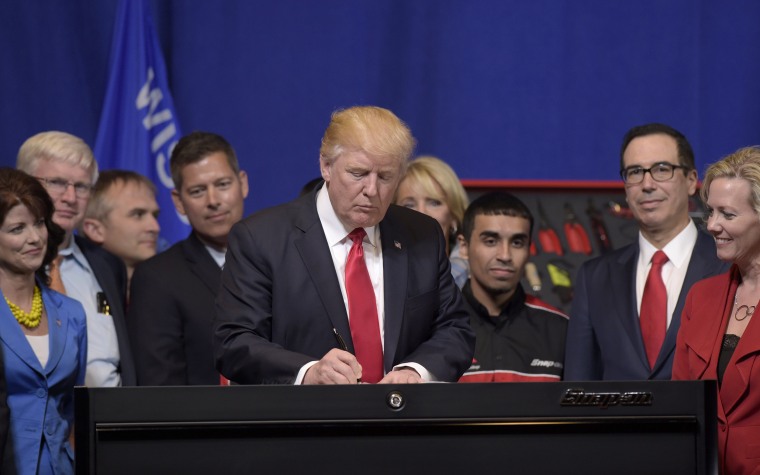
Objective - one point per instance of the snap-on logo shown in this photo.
(579, 397)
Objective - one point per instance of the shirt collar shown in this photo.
(335, 231)
(678, 249)
(218, 256)
(73, 251)
(512, 306)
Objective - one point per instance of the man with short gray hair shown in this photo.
(65, 165)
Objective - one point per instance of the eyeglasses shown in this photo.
(662, 171)
(58, 186)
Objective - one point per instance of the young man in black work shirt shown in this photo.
(518, 337)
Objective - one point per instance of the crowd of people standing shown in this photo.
(380, 272)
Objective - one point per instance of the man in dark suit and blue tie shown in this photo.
(285, 313)
(610, 336)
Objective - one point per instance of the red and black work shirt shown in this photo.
(526, 342)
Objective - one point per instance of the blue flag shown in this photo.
(138, 126)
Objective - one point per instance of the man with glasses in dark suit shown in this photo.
(624, 321)
(67, 169)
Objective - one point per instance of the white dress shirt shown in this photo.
(41, 346)
(679, 251)
(340, 245)
(218, 256)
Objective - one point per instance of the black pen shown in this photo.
(343, 346)
(341, 341)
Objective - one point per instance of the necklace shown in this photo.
(34, 316)
(748, 311)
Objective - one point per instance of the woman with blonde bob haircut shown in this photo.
(719, 339)
(432, 187)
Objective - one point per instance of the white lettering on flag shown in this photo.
(152, 97)
(144, 98)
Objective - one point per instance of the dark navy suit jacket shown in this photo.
(604, 336)
(171, 314)
(280, 298)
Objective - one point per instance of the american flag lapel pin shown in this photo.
(397, 244)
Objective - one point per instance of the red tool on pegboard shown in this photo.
(577, 239)
(598, 228)
(547, 236)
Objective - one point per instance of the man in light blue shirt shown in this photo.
(65, 165)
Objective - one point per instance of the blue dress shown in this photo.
(41, 400)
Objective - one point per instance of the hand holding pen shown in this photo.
(338, 366)
(342, 345)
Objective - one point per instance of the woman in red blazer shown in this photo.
(719, 338)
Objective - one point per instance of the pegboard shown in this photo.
(565, 212)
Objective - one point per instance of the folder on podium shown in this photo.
(642, 427)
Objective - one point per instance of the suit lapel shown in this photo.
(113, 286)
(13, 337)
(395, 275)
(705, 339)
(201, 263)
(58, 326)
(736, 379)
(623, 285)
(702, 264)
(115, 289)
(312, 247)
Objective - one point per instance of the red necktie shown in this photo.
(362, 311)
(654, 308)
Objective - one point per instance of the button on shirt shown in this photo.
(102, 345)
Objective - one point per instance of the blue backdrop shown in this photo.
(501, 89)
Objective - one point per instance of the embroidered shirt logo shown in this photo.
(546, 363)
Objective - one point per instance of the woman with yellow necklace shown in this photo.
(42, 333)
